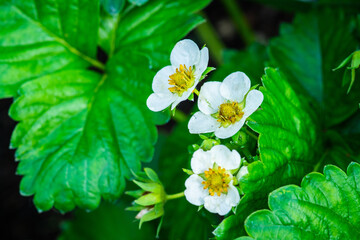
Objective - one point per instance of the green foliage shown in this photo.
(324, 207)
(287, 142)
(109, 221)
(307, 51)
(84, 126)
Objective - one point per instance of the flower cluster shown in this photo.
(224, 108)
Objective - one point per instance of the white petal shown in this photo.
(253, 101)
(160, 83)
(157, 102)
(210, 98)
(232, 197)
(225, 158)
(235, 86)
(185, 52)
(242, 172)
(201, 123)
(230, 130)
(185, 95)
(201, 161)
(201, 66)
(195, 192)
(217, 204)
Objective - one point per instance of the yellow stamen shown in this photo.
(229, 113)
(182, 79)
(216, 181)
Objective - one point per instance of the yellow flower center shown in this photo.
(182, 79)
(229, 113)
(216, 180)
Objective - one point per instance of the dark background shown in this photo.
(20, 217)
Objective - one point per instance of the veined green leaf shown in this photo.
(81, 131)
(81, 140)
(324, 207)
(308, 50)
(288, 143)
(166, 21)
(41, 37)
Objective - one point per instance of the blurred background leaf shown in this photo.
(110, 221)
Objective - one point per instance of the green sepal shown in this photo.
(193, 148)
(200, 207)
(188, 171)
(135, 208)
(152, 175)
(203, 137)
(205, 73)
(149, 199)
(159, 227)
(149, 187)
(156, 212)
(135, 193)
(254, 87)
(344, 62)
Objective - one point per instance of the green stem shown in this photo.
(251, 134)
(196, 91)
(208, 35)
(175, 196)
(240, 21)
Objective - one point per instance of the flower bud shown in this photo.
(150, 199)
(208, 144)
(242, 172)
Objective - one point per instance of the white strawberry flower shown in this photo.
(224, 106)
(174, 84)
(211, 184)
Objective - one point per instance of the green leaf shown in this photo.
(138, 2)
(308, 50)
(113, 7)
(35, 41)
(288, 143)
(80, 134)
(166, 21)
(109, 221)
(84, 126)
(324, 207)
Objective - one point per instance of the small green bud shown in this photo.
(208, 144)
(240, 138)
(150, 198)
